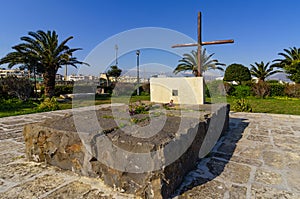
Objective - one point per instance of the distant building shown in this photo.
(83, 78)
(132, 79)
(13, 72)
(75, 78)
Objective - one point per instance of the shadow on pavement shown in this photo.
(214, 163)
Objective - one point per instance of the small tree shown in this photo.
(238, 73)
(114, 71)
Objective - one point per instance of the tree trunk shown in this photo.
(35, 90)
(49, 82)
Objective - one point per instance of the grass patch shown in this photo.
(13, 107)
(277, 105)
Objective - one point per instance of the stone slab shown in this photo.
(58, 143)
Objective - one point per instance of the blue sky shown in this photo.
(261, 28)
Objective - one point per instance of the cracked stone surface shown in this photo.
(259, 157)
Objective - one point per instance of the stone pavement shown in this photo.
(259, 157)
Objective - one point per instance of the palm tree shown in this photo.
(262, 71)
(42, 50)
(290, 63)
(190, 62)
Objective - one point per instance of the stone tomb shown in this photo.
(151, 164)
(182, 90)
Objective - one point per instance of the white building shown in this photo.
(83, 78)
(132, 79)
(13, 72)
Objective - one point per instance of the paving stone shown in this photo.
(293, 180)
(92, 194)
(274, 159)
(209, 190)
(19, 172)
(248, 161)
(263, 192)
(14, 122)
(34, 188)
(296, 128)
(235, 173)
(251, 152)
(10, 157)
(14, 134)
(287, 143)
(292, 161)
(263, 132)
(12, 146)
(259, 138)
(73, 190)
(237, 192)
(286, 128)
(282, 132)
(268, 177)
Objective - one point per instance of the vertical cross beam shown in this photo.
(199, 73)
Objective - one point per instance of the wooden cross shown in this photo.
(200, 44)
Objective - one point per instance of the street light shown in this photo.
(138, 71)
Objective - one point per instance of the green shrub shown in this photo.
(248, 83)
(143, 93)
(10, 104)
(276, 89)
(241, 105)
(49, 105)
(138, 108)
(63, 89)
(241, 91)
(272, 81)
(292, 90)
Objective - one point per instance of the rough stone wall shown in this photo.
(65, 149)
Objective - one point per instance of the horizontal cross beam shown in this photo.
(218, 42)
(204, 43)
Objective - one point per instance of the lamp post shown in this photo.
(138, 71)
